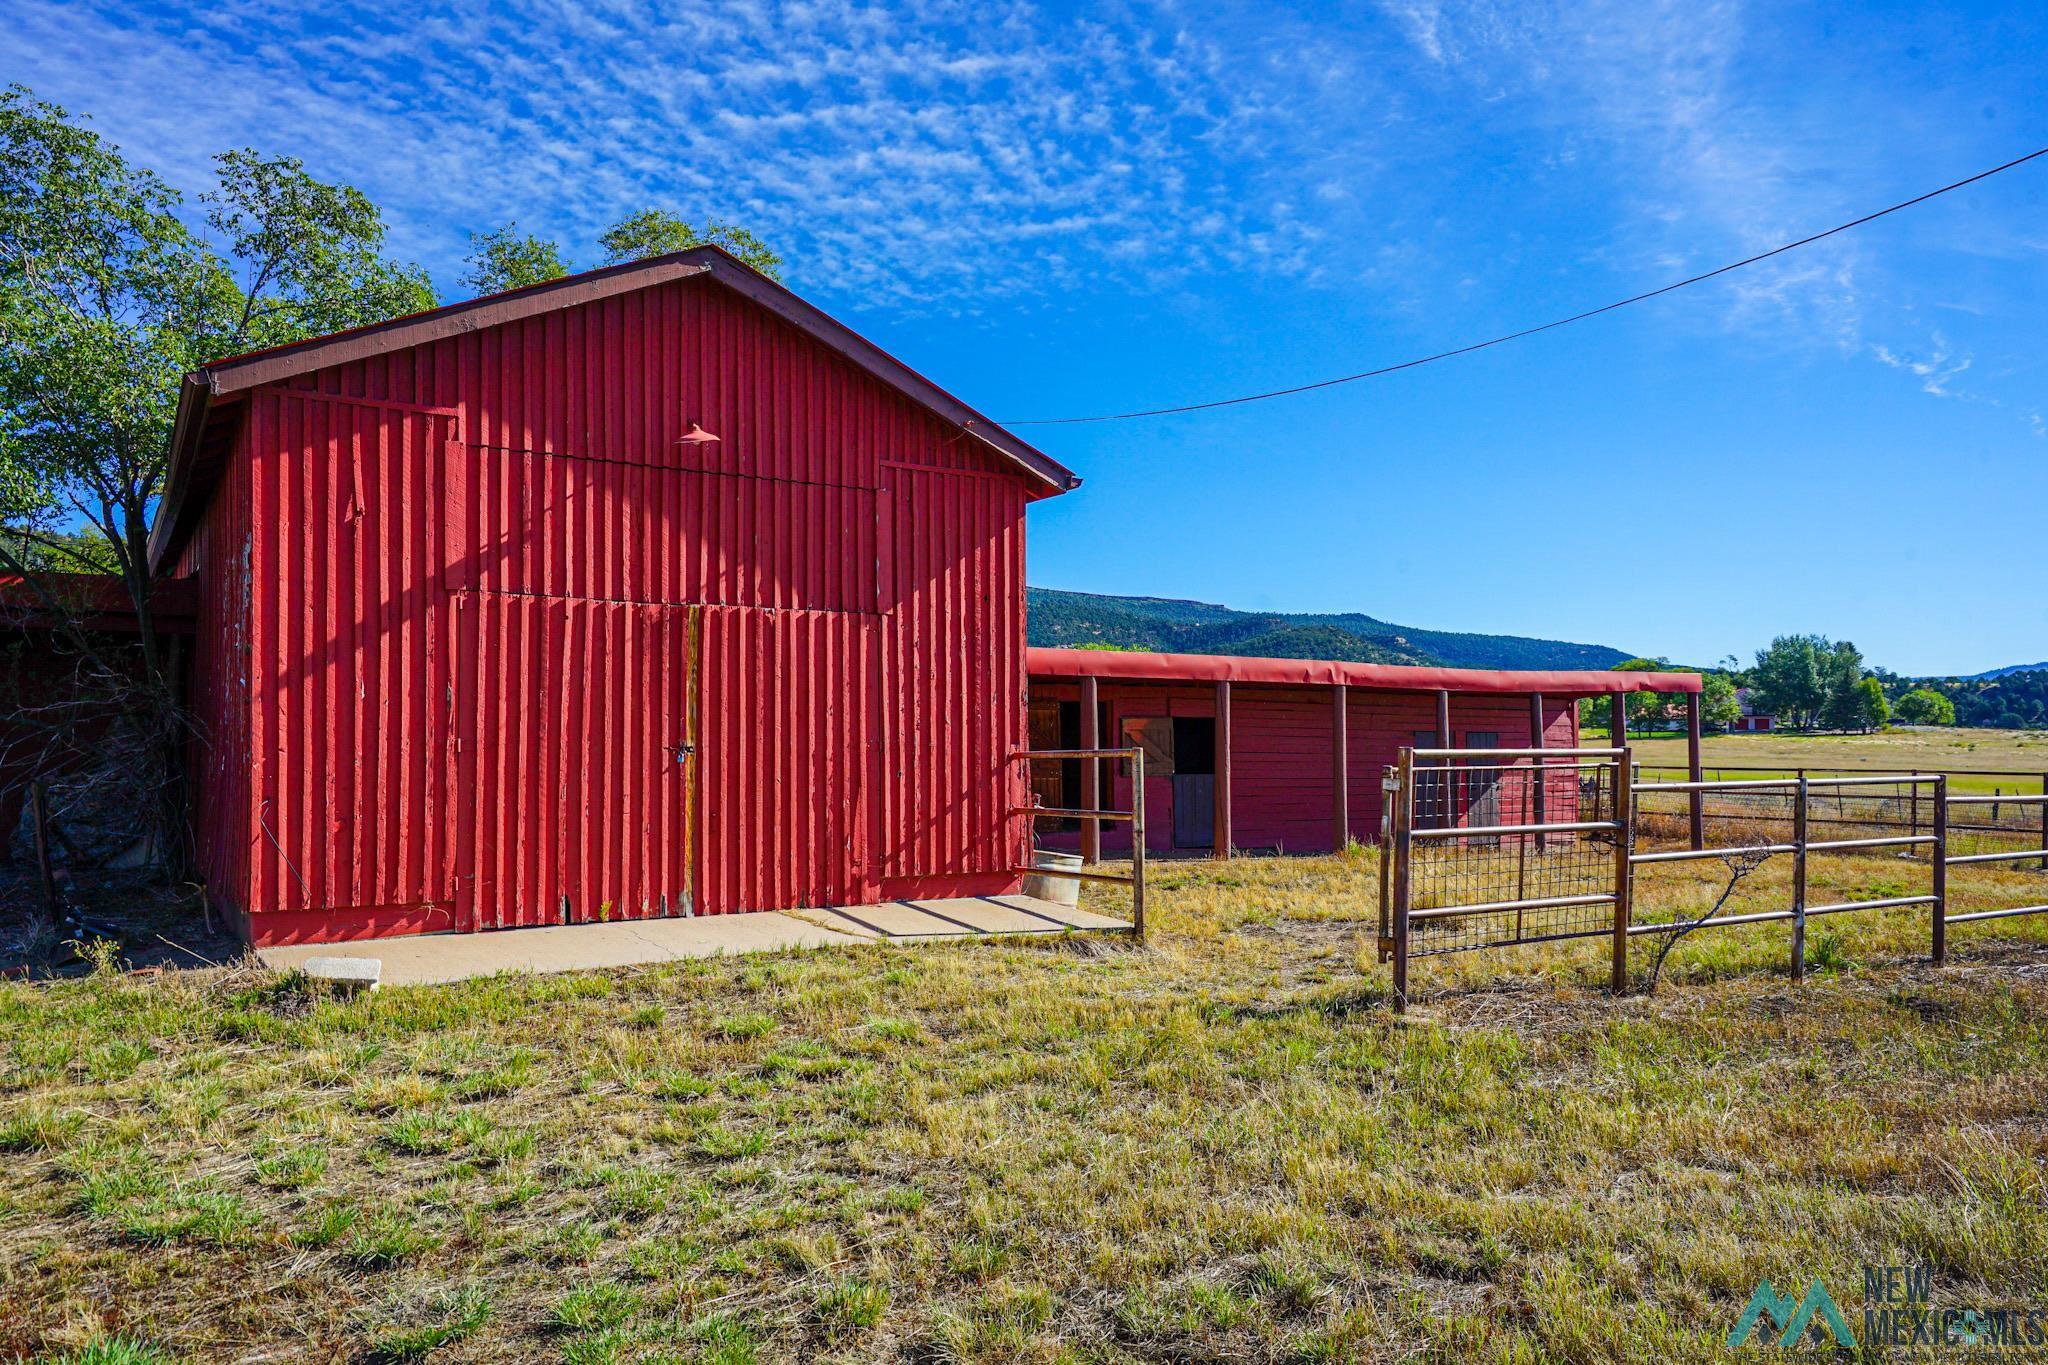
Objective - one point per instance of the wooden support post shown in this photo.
(1404, 822)
(1091, 771)
(1940, 945)
(1799, 884)
(1340, 773)
(1540, 798)
(1221, 838)
(1624, 873)
(39, 820)
(2044, 820)
(1138, 922)
(1692, 770)
(1444, 739)
(1617, 719)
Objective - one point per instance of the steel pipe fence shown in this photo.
(1491, 848)
(1093, 818)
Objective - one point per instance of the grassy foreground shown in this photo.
(1221, 1148)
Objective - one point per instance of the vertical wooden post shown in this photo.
(1692, 770)
(39, 820)
(1138, 922)
(1091, 771)
(2044, 820)
(1940, 946)
(1617, 720)
(1799, 884)
(1444, 739)
(1340, 769)
(1404, 822)
(1624, 872)
(1222, 827)
(1540, 798)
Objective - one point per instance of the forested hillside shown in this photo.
(1167, 624)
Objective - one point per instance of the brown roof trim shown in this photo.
(237, 374)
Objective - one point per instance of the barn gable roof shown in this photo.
(198, 446)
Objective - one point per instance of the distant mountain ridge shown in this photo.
(1173, 625)
(1988, 674)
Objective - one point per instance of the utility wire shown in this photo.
(1530, 331)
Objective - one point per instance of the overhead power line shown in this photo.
(1532, 331)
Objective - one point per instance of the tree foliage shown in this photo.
(656, 232)
(1924, 706)
(509, 259)
(1720, 708)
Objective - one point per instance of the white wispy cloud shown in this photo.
(888, 150)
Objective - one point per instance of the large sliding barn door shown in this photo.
(667, 688)
(576, 760)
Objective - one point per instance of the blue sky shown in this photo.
(1059, 211)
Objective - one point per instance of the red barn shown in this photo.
(1285, 755)
(650, 591)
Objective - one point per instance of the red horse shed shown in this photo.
(649, 591)
(1284, 755)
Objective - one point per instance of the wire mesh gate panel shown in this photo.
(1491, 848)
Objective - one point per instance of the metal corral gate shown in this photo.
(1489, 848)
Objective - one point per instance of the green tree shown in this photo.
(1842, 678)
(654, 232)
(107, 297)
(1719, 707)
(509, 259)
(1874, 712)
(1789, 678)
(1925, 706)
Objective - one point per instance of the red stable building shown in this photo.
(1283, 755)
(650, 591)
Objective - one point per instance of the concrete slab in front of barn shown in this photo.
(958, 917)
(429, 959)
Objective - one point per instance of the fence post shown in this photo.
(1138, 843)
(1940, 866)
(1697, 806)
(1799, 884)
(1404, 822)
(1916, 804)
(2044, 821)
(39, 820)
(1624, 845)
(1091, 770)
(1388, 787)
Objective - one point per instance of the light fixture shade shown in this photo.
(696, 436)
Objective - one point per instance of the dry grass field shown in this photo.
(1220, 1148)
(1929, 749)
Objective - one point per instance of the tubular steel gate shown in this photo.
(1495, 847)
(1491, 848)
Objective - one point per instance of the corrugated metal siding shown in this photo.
(574, 792)
(787, 716)
(351, 690)
(219, 689)
(953, 708)
(1281, 765)
(852, 734)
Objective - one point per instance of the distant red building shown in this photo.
(1285, 755)
(1751, 721)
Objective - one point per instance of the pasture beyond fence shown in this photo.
(1492, 848)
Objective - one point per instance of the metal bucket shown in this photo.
(1059, 890)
